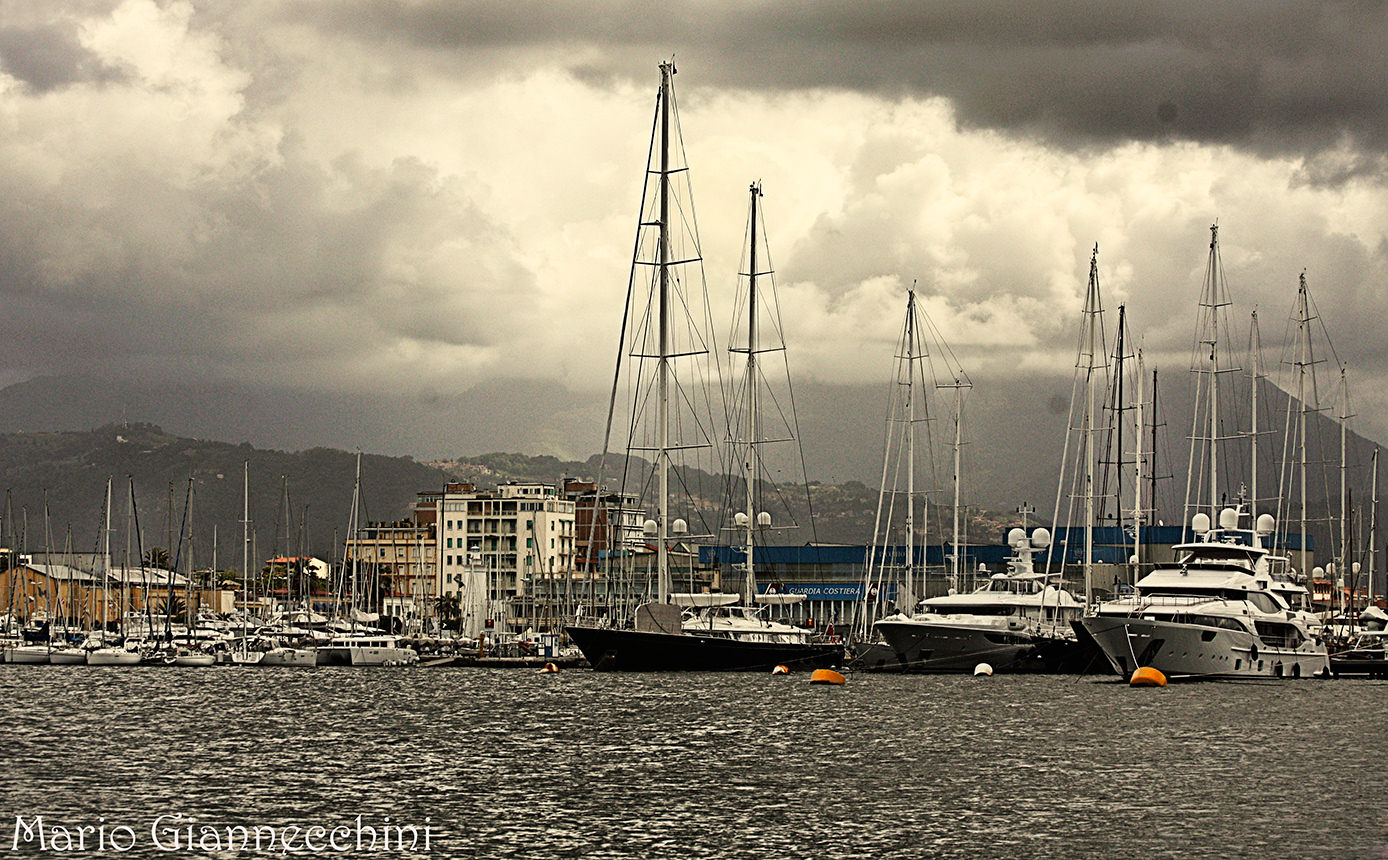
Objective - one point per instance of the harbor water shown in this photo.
(522, 764)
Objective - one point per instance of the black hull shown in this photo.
(611, 650)
(1358, 666)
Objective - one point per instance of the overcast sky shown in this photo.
(419, 197)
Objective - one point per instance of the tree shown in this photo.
(449, 611)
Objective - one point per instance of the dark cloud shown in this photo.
(48, 56)
(1272, 77)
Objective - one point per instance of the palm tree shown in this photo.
(449, 611)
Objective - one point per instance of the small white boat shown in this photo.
(67, 657)
(194, 660)
(32, 654)
(112, 657)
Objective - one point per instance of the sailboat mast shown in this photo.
(910, 428)
(1344, 468)
(245, 548)
(1093, 308)
(1138, 511)
(106, 567)
(1373, 528)
(958, 446)
(1256, 359)
(663, 368)
(750, 455)
(1303, 363)
(1214, 373)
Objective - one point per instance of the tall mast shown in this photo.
(1255, 347)
(958, 452)
(1344, 566)
(667, 70)
(1304, 363)
(1373, 528)
(106, 567)
(750, 452)
(1214, 376)
(1138, 510)
(246, 590)
(1207, 363)
(910, 428)
(1152, 473)
(1093, 309)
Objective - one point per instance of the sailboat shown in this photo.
(888, 581)
(288, 650)
(1215, 612)
(695, 630)
(107, 654)
(1019, 619)
(360, 647)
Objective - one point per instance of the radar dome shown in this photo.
(679, 527)
(1016, 537)
(649, 528)
(1318, 571)
(740, 519)
(1356, 567)
(1266, 524)
(1228, 519)
(1041, 538)
(1200, 523)
(764, 519)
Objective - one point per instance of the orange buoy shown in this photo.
(827, 676)
(1146, 676)
(550, 667)
(781, 670)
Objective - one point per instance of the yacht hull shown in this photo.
(300, 657)
(194, 660)
(67, 657)
(1182, 651)
(948, 648)
(365, 655)
(112, 657)
(877, 657)
(31, 654)
(608, 649)
(1364, 663)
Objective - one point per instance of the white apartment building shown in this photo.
(518, 534)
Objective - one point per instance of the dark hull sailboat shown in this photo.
(610, 649)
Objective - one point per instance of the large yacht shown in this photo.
(1216, 612)
(1015, 621)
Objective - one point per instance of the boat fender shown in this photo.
(1253, 652)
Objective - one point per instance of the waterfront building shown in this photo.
(403, 557)
(518, 539)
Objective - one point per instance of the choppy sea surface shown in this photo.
(520, 764)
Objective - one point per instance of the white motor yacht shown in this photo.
(1015, 621)
(366, 649)
(1215, 613)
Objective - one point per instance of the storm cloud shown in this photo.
(408, 204)
(1273, 77)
